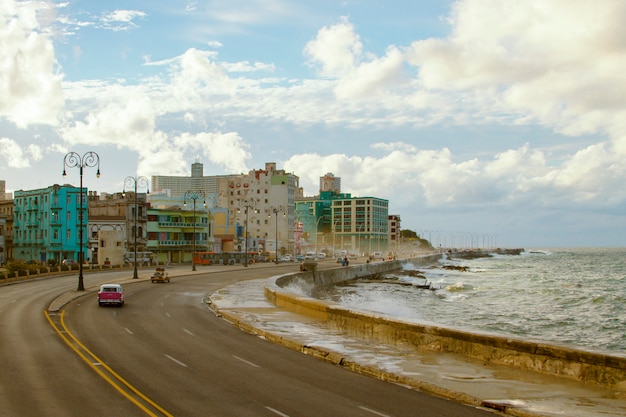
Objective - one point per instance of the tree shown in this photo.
(410, 235)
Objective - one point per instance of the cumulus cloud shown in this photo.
(559, 62)
(13, 154)
(337, 53)
(517, 176)
(30, 86)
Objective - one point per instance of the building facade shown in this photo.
(262, 203)
(330, 183)
(395, 232)
(125, 212)
(360, 224)
(337, 221)
(174, 233)
(48, 223)
(259, 205)
(6, 227)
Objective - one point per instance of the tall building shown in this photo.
(330, 183)
(338, 221)
(177, 186)
(269, 193)
(47, 224)
(268, 196)
(361, 224)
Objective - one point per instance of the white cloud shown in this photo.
(30, 87)
(560, 62)
(120, 20)
(13, 154)
(336, 50)
(123, 15)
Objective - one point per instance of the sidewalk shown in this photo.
(513, 391)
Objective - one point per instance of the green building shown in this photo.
(173, 233)
(334, 221)
(47, 223)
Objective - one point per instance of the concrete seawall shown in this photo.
(589, 366)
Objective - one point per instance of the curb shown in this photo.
(336, 358)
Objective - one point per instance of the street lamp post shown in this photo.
(136, 182)
(317, 223)
(194, 195)
(246, 204)
(71, 160)
(276, 210)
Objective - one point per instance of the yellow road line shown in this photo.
(98, 369)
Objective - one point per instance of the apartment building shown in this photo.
(48, 223)
(174, 234)
(259, 204)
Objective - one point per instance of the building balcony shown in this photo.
(182, 225)
(171, 224)
(181, 243)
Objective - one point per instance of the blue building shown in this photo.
(47, 223)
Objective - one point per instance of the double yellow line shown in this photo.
(106, 372)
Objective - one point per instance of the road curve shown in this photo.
(167, 345)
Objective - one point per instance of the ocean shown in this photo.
(571, 296)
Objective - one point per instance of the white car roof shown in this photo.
(111, 286)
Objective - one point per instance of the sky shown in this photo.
(503, 120)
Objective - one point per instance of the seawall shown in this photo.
(589, 366)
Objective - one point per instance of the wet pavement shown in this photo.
(511, 391)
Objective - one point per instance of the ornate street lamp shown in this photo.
(194, 195)
(276, 210)
(246, 204)
(141, 182)
(72, 160)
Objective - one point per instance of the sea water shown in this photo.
(565, 296)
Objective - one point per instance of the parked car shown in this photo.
(309, 256)
(299, 258)
(285, 258)
(69, 262)
(321, 255)
(111, 294)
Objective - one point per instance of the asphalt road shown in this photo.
(166, 354)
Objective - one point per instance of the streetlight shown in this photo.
(71, 160)
(276, 210)
(194, 195)
(246, 204)
(317, 224)
(136, 182)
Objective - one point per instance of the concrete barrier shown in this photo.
(589, 366)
